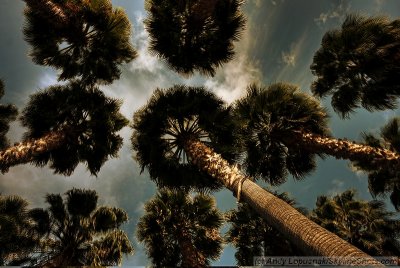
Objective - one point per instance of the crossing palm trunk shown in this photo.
(305, 234)
(25, 152)
(344, 149)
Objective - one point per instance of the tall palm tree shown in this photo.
(358, 64)
(283, 129)
(167, 138)
(79, 232)
(381, 179)
(8, 113)
(367, 225)
(252, 236)
(68, 125)
(83, 39)
(194, 35)
(17, 235)
(181, 230)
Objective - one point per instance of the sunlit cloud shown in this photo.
(231, 81)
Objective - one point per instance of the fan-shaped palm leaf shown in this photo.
(173, 121)
(83, 39)
(188, 227)
(382, 179)
(252, 236)
(367, 225)
(283, 129)
(358, 64)
(78, 233)
(68, 125)
(194, 34)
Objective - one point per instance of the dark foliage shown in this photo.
(358, 65)
(194, 34)
(252, 236)
(267, 116)
(172, 213)
(170, 117)
(383, 180)
(367, 225)
(8, 113)
(83, 39)
(89, 118)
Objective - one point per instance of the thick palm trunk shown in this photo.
(304, 233)
(344, 149)
(190, 255)
(25, 152)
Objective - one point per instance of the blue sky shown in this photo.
(278, 44)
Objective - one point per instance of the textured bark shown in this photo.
(191, 257)
(304, 233)
(344, 149)
(25, 152)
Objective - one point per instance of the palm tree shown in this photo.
(194, 34)
(79, 232)
(83, 39)
(68, 125)
(181, 230)
(252, 236)
(17, 236)
(367, 225)
(173, 135)
(383, 180)
(283, 129)
(358, 64)
(7, 113)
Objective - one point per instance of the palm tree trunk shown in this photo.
(25, 152)
(344, 149)
(305, 234)
(191, 257)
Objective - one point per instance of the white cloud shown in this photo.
(337, 187)
(231, 81)
(289, 58)
(145, 61)
(337, 12)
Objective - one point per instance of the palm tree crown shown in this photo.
(174, 121)
(181, 230)
(83, 39)
(7, 113)
(358, 64)
(268, 117)
(17, 236)
(367, 225)
(381, 179)
(194, 34)
(88, 119)
(172, 116)
(79, 232)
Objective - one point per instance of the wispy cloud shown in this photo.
(337, 187)
(231, 81)
(289, 58)
(337, 12)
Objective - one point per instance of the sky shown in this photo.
(278, 45)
